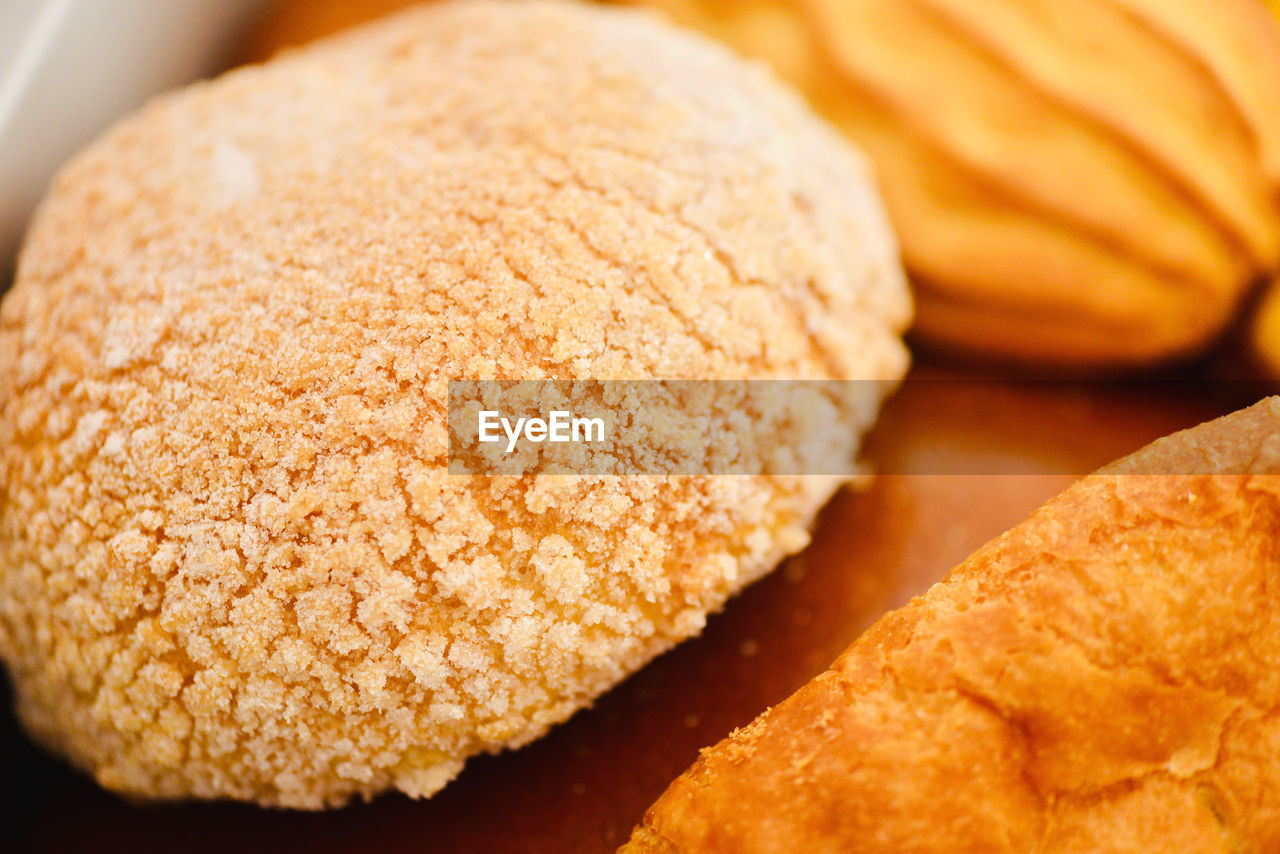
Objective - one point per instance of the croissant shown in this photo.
(1103, 677)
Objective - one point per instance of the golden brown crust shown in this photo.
(1102, 677)
(1054, 205)
(1064, 210)
(232, 563)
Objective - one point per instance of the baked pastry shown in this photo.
(1056, 204)
(232, 562)
(1103, 677)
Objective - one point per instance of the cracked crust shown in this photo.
(231, 561)
(1101, 678)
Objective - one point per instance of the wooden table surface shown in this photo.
(968, 459)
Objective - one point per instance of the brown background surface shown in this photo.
(971, 457)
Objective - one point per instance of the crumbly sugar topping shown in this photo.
(232, 563)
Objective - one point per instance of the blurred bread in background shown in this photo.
(290, 23)
(1265, 332)
(1089, 184)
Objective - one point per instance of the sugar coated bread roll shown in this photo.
(1105, 677)
(232, 562)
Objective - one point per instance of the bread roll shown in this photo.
(1105, 677)
(232, 562)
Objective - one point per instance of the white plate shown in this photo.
(68, 68)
